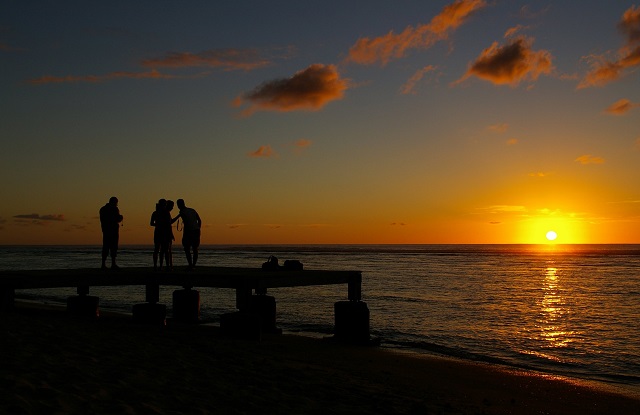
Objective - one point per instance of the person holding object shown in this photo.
(191, 231)
(110, 219)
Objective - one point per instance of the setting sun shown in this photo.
(551, 235)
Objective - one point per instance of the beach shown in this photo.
(54, 363)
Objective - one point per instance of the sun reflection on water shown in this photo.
(553, 313)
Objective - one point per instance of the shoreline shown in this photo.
(58, 363)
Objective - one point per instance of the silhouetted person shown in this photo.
(110, 219)
(171, 237)
(190, 232)
(161, 220)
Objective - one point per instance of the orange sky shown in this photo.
(462, 121)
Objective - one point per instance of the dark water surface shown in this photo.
(569, 310)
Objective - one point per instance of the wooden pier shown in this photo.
(250, 284)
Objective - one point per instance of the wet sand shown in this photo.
(53, 363)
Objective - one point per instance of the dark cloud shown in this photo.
(604, 70)
(35, 216)
(263, 152)
(382, 49)
(621, 107)
(49, 79)
(310, 89)
(511, 63)
(229, 59)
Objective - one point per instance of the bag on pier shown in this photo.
(271, 264)
(292, 265)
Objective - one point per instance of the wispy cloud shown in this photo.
(225, 59)
(589, 159)
(409, 87)
(310, 89)
(49, 79)
(228, 59)
(621, 107)
(36, 219)
(493, 209)
(498, 128)
(263, 152)
(511, 63)
(302, 143)
(512, 141)
(604, 70)
(383, 49)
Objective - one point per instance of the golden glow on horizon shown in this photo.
(552, 235)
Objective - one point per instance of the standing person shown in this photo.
(170, 236)
(161, 220)
(191, 231)
(110, 219)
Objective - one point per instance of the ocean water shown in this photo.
(565, 310)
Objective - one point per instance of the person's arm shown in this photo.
(199, 220)
(175, 219)
(153, 219)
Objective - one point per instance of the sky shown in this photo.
(335, 122)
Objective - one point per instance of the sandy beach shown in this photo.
(53, 363)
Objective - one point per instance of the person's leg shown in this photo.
(114, 251)
(195, 242)
(105, 250)
(156, 250)
(187, 249)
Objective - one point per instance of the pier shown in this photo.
(256, 310)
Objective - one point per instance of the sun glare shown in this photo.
(551, 236)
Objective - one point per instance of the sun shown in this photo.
(552, 235)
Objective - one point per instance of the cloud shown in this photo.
(263, 152)
(538, 174)
(604, 70)
(589, 159)
(229, 59)
(512, 141)
(621, 107)
(37, 219)
(409, 87)
(310, 89)
(302, 143)
(383, 49)
(502, 209)
(498, 128)
(526, 12)
(511, 63)
(48, 79)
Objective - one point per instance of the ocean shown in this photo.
(560, 310)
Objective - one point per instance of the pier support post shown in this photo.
(7, 299)
(83, 305)
(263, 307)
(151, 312)
(186, 305)
(257, 315)
(352, 321)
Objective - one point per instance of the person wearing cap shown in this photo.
(110, 219)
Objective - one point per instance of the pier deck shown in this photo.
(243, 280)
